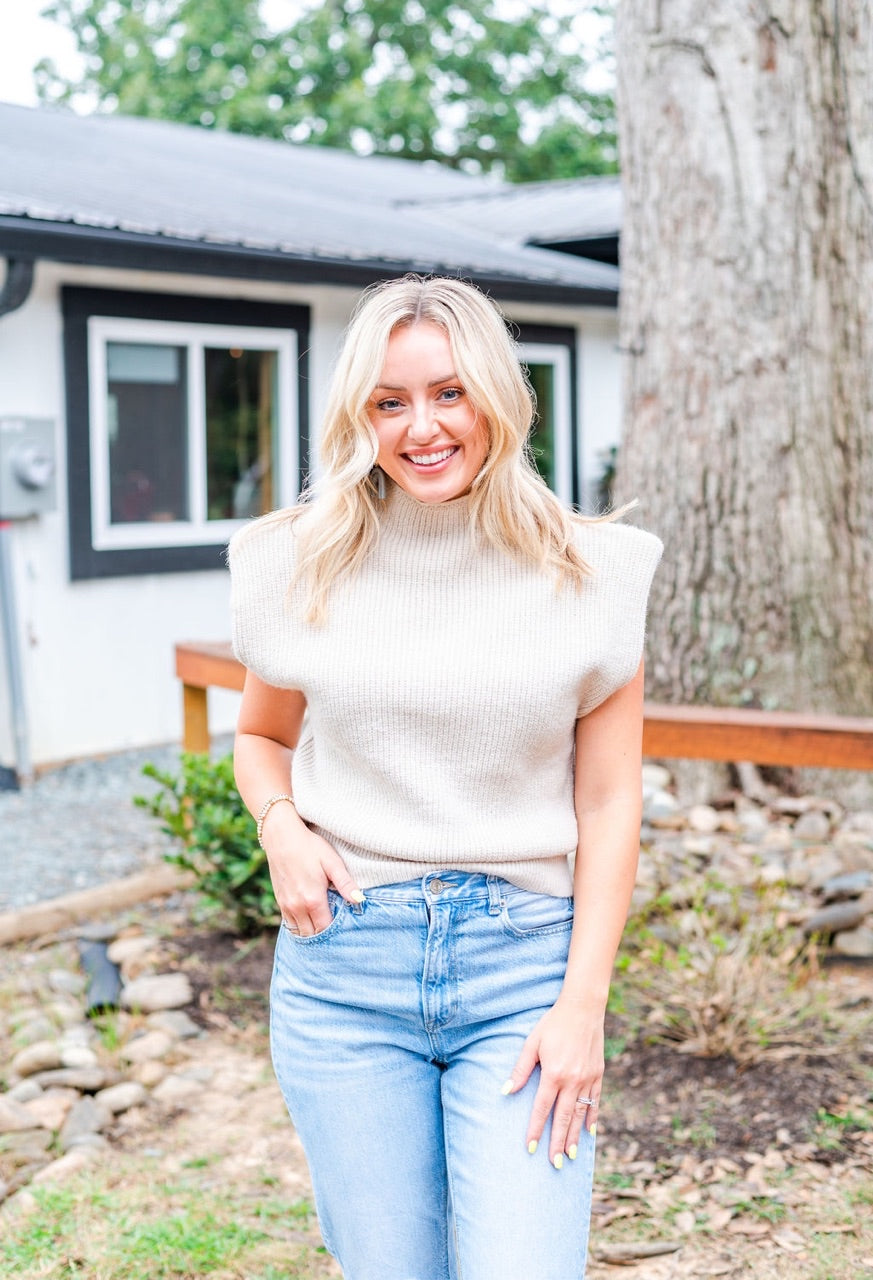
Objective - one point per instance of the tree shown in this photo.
(747, 283)
(448, 80)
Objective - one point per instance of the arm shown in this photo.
(568, 1041)
(301, 863)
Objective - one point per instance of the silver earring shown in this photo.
(377, 476)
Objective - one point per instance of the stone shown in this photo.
(703, 818)
(121, 1097)
(78, 1055)
(773, 871)
(24, 1148)
(820, 865)
(861, 821)
(34, 1028)
(86, 1116)
(14, 1116)
(66, 982)
(129, 948)
(149, 1073)
(698, 846)
(44, 1055)
(157, 991)
(90, 1142)
(25, 1091)
(855, 942)
(176, 1023)
(849, 885)
(177, 1090)
(837, 917)
(656, 777)
(777, 838)
(660, 805)
(85, 1079)
(813, 826)
(65, 1166)
(752, 822)
(152, 1044)
(51, 1109)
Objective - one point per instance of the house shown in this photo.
(172, 302)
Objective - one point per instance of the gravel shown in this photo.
(76, 826)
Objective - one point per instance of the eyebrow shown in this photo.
(435, 382)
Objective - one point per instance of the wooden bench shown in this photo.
(671, 733)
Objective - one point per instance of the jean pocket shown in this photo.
(528, 915)
(338, 905)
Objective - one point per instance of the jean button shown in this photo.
(437, 886)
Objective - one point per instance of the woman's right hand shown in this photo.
(302, 865)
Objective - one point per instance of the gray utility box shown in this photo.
(27, 467)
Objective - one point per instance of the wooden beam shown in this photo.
(763, 737)
(203, 665)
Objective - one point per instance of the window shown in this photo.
(549, 355)
(184, 417)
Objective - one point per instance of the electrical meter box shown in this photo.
(27, 467)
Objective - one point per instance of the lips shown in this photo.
(431, 459)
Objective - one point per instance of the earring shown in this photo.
(377, 477)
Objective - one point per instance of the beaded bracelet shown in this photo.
(265, 809)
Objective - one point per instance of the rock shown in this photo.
(44, 1055)
(51, 1109)
(149, 1073)
(177, 1090)
(820, 865)
(813, 826)
(861, 821)
(177, 1023)
(157, 991)
(777, 838)
(24, 1091)
(121, 1097)
(752, 821)
(655, 777)
(773, 871)
(78, 1055)
(33, 1028)
(86, 1116)
(849, 885)
(699, 846)
(14, 1116)
(855, 942)
(67, 983)
(703, 818)
(65, 1166)
(25, 1148)
(89, 1142)
(66, 1013)
(85, 1079)
(144, 1048)
(129, 948)
(838, 917)
(660, 805)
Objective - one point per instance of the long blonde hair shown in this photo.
(511, 506)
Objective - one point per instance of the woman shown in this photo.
(468, 656)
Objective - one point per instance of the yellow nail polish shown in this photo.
(506, 1088)
(558, 1161)
(593, 1131)
(532, 1146)
(573, 1151)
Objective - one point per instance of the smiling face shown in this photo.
(431, 440)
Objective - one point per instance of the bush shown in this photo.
(202, 809)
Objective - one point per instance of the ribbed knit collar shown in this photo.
(407, 517)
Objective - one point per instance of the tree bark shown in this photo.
(747, 323)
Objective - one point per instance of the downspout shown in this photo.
(15, 292)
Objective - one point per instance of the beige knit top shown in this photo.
(443, 691)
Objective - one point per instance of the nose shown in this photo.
(423, 425)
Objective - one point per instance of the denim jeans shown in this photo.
(392, 1033)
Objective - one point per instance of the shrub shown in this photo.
(202, 809)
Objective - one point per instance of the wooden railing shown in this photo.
(688, 733)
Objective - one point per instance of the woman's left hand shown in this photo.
(567, 1042)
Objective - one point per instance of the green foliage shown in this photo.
(202, 809)
(463, 83)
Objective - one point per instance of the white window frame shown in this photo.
(197, 531)
(558, 356)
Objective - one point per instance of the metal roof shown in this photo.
(113, 189)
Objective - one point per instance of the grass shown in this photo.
(166, 1231)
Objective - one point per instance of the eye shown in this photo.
(388, 405)
(450, 394)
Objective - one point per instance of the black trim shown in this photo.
(107, 247)
(78, 304)
(560, 336)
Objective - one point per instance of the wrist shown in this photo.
(280, 798)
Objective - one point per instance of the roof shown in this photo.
(124, 191)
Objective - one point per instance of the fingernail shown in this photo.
(573, 1151)
(356, 896)
(506, 1088)
(558, 1161)
(593, 1131)
(532, 1146)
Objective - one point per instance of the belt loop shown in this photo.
(495, 898)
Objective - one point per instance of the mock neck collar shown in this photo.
(430, 519)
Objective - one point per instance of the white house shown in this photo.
(171, 302)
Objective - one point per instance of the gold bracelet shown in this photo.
(265, 809)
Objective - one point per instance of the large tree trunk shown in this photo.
(747, 320)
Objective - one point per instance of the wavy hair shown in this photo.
(337, 520)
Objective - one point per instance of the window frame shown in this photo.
(556, 346)
(94, 317)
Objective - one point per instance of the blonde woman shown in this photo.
(452, 830)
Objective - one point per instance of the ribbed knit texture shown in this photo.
(444, 689)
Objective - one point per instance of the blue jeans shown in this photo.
(392, 1032)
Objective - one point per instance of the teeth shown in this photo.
(430, 459)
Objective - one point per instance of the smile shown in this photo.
(431, 459)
